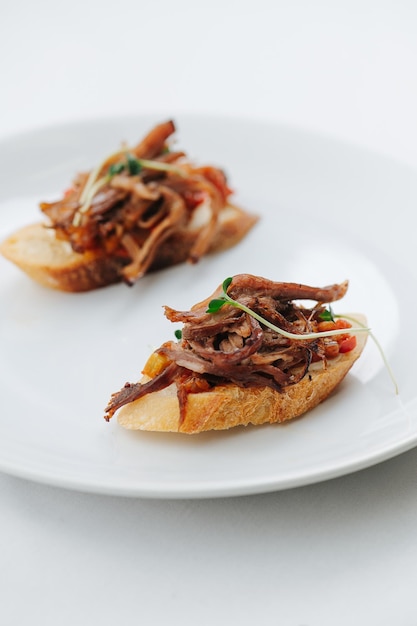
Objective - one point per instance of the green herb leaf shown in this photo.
(133, 165)
(116, 168)
(215, 305)
(327, 315)
(178, 334)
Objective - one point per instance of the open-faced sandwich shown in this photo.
(249, 354)
(142, 208)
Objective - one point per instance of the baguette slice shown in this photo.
(228, 405)
(52, 262)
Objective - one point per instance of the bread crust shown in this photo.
(52, 262)
(228, 405)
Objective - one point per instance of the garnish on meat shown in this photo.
(135, 199)
(251, 333)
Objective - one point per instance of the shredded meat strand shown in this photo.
(231, 346)
(131, 213)
(134, 391)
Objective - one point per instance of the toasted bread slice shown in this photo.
(52, 262)
(228, 405)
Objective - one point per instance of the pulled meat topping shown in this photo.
(137, 198)
(232, 346)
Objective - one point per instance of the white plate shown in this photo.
(329, 212)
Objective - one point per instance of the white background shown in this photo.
(340, 552)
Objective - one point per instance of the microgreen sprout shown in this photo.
(115, 168)
(327, 315)
(132, 165)
(217, 303)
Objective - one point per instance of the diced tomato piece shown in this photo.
(218, 179)
(194, 197)
(339, 324)
(347, 344)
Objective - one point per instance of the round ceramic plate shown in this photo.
(329, 211)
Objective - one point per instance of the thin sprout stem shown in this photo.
(96, 171)
(360, 328)
(94, 189)
(160, 166)
(93, 185)
(379, 347)
(327, 333)
(87, 202)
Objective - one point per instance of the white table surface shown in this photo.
(340, 552)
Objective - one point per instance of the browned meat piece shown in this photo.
(135, 200)
(230, 345)
(246, 284)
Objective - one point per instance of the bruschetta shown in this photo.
(249, 354)
(140, 209)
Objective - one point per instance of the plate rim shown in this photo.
(214, 490)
